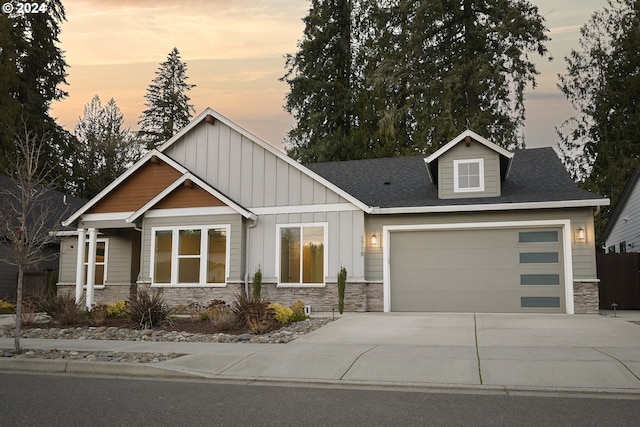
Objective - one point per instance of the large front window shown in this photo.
(190, 255)
(302, 254)
(100, 276)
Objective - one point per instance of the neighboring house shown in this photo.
(471, 228)
(622, 232)
(61, 206)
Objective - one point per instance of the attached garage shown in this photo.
(466, 268)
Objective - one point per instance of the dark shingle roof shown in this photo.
(536, 175)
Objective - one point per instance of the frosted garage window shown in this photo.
(539, 257)
(537, 236)
(539, 279)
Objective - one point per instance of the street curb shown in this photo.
(91, 368)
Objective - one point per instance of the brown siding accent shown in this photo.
(138, 189)
(185, 197)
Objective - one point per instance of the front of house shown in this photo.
(471, 228)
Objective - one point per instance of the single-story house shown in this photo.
(471, 228)
(622, 232)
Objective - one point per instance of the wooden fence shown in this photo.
(619, 276)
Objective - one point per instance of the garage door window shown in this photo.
(302, 254)
(538, 236)
(539, 258)
(539, 279)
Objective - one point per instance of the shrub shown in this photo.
(253, 314)
(6, 307)
(63, 309)
(257, 284)
(281, 313)
(119, 309)
(298, 312)
(149, 309)
(98, 314)
(342, 280)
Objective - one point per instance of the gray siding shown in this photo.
(244, 171)
(235, 270)
(461, 152)
(627, 231)
(584, 262)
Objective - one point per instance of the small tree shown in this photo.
(342, 281)
(257, 284)
(27, 216)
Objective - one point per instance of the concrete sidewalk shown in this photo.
(490, 352)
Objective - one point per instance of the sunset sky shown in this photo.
(234, 50)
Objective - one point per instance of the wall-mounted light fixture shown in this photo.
(375, 240)
(581, 233)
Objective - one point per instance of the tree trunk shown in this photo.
(19, 308)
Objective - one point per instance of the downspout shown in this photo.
(251, 223)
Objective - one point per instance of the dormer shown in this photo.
(469, 166)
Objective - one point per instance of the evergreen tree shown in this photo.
(32, 69)
(105, 148)
(168, 109)
(419, 73)
(600, 145)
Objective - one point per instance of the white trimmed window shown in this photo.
(195, 255)
(102, 249)
(302, 254)
(468, 175)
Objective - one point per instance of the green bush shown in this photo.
(281, 313)
(118, 309)
(6, 307)
(298, 312)
(149, 309)
(63, 309)
(253, 314)
(342, 281)
(257, 284)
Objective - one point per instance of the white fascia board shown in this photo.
(331, 207)
(476, 137)
(270, 148)
(493, 207)
(120, 179)
(224, 199)
(182, 212)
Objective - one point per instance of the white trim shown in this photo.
(120, 179)
(302, 225)
(268, 147)
(203, 255)
(456, 176)
(203, 185)
(105, 263)
(331, 207)
(565, 224)
(179, 212)
(108, 216)
(476, 137)
(493, 207)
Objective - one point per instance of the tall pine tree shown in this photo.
(168, 109)
(32, 69)
(601, 144)
(105, 149)
(420, 72)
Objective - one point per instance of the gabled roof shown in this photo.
(140, 163)
(537, 179)
(432, 160)
(200, 183)
(629, 187)
(211, 114)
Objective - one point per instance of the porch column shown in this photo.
(80, 263)
(91, 267)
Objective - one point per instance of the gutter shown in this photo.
(251, 223)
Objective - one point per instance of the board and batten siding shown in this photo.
(462, 152)
(244, 171)
(344, 246)
(118, 259)
(583, 253)
(627, 231)
(235, 271)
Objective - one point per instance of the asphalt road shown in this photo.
(64, 400)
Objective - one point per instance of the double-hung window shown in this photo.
(302, 254)
(100, 261)
(468, 175)
(192, 255)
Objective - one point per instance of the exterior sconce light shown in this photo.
(375, 241)
(581, 233)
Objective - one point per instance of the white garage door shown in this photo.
(477, 270)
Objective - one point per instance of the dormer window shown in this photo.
(468, 175)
